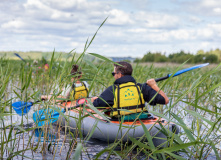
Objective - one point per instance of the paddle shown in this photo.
(22, 108)
(51, 115)
(19, 57)
(181, 71)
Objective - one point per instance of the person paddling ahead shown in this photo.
(78, 89)
(126, 97)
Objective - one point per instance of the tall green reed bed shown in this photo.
(194, 107)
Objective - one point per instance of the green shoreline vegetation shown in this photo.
(212, 56)
(39, 55)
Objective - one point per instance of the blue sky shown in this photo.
(133, 27)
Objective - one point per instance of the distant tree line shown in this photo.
(212, 56)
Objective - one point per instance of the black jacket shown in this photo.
(108, 96)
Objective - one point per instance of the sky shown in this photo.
(132, 28)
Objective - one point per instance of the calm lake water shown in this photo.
(59, 148)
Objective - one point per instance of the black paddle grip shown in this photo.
(162, 78)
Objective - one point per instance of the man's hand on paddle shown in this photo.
(152, 83)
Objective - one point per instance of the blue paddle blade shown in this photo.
(22, 108)
(45, 116)
(188, 69)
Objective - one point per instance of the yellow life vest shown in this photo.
(127, 96)
(79, 92)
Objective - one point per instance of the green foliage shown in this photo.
(210, 58)
(213, 56)
(153, 57)
(181, 57)
(216, 52)
(137, 60)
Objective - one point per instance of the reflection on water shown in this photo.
(55, 148)
(40, 133)
(57, 145)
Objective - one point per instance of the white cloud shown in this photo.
(31, 5)
(73, 5)
(204, 7)
(210, 3)
(204, 44)
(217, 10)
(195, 19)
(205, 33)
(59, 15)
(13, 24)
(216, 28)
(162, 20)
(182, 34)
(65, 4)
(118, 17)
(157, 20)
(137, 30)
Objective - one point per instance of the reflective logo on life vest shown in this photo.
(128, 95)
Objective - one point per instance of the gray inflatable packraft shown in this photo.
(111, 131)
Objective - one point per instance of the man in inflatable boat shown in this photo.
(126, 97)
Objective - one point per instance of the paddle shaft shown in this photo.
(36, 101)
(161, 78)
(19, 57)
(181, 72)
(72, 107)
